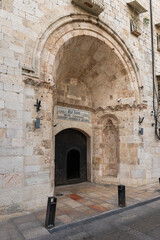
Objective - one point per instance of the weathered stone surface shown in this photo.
(57, 53)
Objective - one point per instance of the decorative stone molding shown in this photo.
(26, 71)
(121, 107)
(31, 78)
(74, 105)
(93, 6)
(37, 83)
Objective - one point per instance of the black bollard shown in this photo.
(51, 212)
(121, 196)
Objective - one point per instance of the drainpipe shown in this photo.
(155, 95)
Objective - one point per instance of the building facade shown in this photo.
(76, 96)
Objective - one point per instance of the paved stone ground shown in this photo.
(85, 200)
(78, 202)
(140, 223)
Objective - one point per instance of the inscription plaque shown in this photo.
(72, 114)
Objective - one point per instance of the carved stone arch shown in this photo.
(49, 42)
(109, 118)
(52, 48)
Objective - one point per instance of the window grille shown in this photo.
(135, 29)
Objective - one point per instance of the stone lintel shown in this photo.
(136, 6)
(94, 7)
(157, 25)
(36, 83)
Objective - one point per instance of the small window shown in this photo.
(135, 28)
(158, 42)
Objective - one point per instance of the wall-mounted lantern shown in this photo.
(37, 123)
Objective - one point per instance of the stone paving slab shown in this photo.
(98, 198)
(78, 202)
(120, 225)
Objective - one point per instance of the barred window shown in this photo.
(158, 42)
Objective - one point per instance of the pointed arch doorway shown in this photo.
(70, 157)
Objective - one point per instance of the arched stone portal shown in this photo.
(90, 76)
(89, 67)
(88, 73)
(70, 157)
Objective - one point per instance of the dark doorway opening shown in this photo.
(73, 164)
(70, 157)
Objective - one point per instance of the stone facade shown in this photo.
(56, 52)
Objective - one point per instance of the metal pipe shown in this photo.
(152, 46)
(156, 111)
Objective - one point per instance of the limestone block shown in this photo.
(5, 142)
(11, 165)
(2, 133)
(11, 96)
(34, 160)
(16, 48)
(138, 173)
(3, 124)
(32, 168)
(28, 117)
(8, 87)
(11, 151)
(29, 92)
(148, 174)
(15, 133)
(47, 144)
(124, 173)
(18, 142)
(1, 104)
(21, 98)
(97, 160)
(1, 36)
(10, 70)
(38, 13)
(11, 180)
(14, 124)
(19, 114)
(1, 86)
(5, 22)
(155, 173)
(37, 191)
(3, 69)
(37, 178)
(11, 62)
(9, 104)
(11, 198)
(28, 151)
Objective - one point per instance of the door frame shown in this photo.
(86, 129)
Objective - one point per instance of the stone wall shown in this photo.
(31, 35)
(73, 92)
